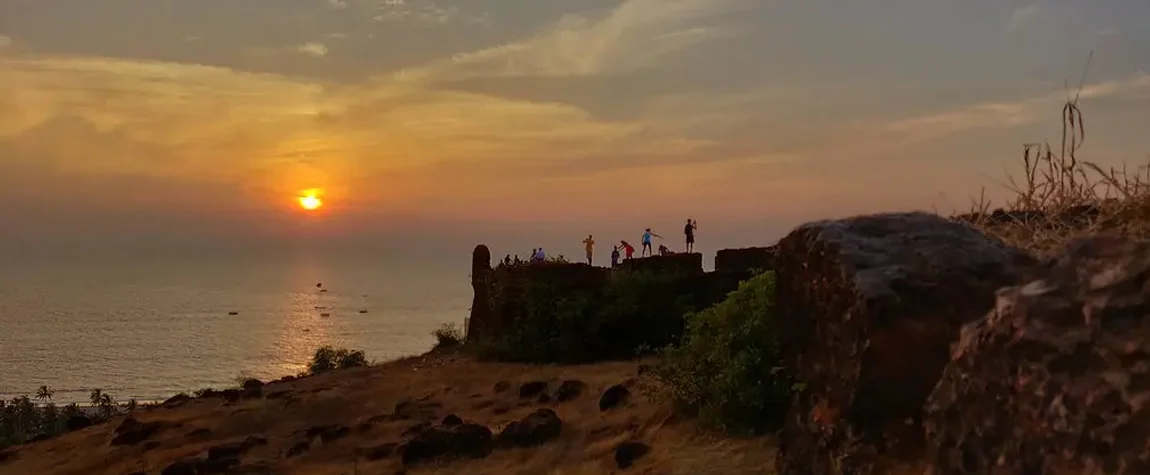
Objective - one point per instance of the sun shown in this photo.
(310, 201)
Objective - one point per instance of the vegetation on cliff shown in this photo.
(726, 370)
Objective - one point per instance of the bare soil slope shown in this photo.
(337, 423)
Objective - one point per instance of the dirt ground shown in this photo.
(364, 402)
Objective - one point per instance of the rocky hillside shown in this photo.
(438, 413)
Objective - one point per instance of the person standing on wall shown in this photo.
(689, 231)
(589, 243)
(647, 249)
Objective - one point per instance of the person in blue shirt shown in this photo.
(647, 250)
(615, 257)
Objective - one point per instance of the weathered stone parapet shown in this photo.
(686, 264)
(868, 307)
(1056, 378)
(746, 260)
(481, 316)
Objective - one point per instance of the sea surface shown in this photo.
(150, 328)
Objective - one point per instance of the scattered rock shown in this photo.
(6, 455)
(132, 432)
(235, 449)
(182, 467)
(451, 420)
(532, 389)
(333, 434)
(379, 452)
(278, 394)
(628, 452)
(298, 448)
(252, 388)
(867, 308)
(150, 445)
(537, 428)
(501, 409)
(570, 390)
(1056, 377)
(422, 410)
(544, 398)
(176, 401)
(501, 386)
(75, 423)
(415, 429)
(200, 433)
(217, 466)
(464, 440)
(613, 397)
(231, 395)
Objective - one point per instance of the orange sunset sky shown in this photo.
(516, 121)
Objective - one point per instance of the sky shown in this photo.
(439, 124)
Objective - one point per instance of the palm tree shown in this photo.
(95, 396)
(44, 393)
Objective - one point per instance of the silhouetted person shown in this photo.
(614, 256)
(663, 251)
(534, 255)
(540, 256)
(689, 231)
(628, 249)
(647, 235)
(589, 243)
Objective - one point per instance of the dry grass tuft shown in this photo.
(1062, 197)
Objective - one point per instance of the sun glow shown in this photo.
(310, 200)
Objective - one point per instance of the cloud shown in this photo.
(1108, 32)
(312, 48)
(638, 34)
(1022, 17)
(1006, 114)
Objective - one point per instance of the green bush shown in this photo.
(327, 358)
(633, 310)
(726, 370)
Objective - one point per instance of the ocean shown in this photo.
(150, 328)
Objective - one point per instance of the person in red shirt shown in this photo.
(628, 250)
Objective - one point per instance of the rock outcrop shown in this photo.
(1056, 378)
(868, 307)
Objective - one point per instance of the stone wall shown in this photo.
(743, 261)
(687, 264)
(507, 295)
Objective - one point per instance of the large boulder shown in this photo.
(867, 308)
(1056, 378)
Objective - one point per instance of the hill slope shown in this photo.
(338, 421)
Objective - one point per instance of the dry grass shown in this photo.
(1061, 197)
(458, 384)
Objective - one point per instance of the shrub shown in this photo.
(447, 336)
(327, 358)
(726, 370)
